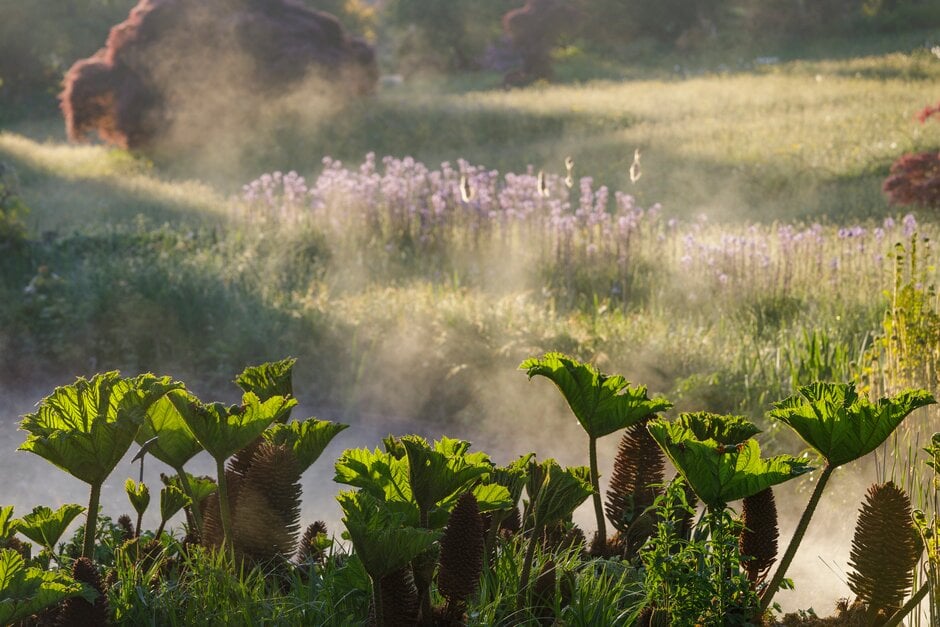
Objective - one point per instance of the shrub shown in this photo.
(915, 178)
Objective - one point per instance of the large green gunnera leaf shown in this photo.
(45, 526)
(721, 428)
(438, 473)
(721, 473)
(269, 379)
(8, 524)
(200, 487)
(87, 427)
(560, 492)
(602, 404)
(933, 450)
(842, 426)
(307, 438)
(26, 591)
(381, 542)
(222, 430)
(381, 474)
(175, 443)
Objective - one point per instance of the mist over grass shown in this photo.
(159, 265)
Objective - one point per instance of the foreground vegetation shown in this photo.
(410, 290)
(436, 532)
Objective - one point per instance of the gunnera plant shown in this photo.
(311, 549)
(266, 517)
(758, 539)
(638, 470)
(461, 561)
(77, 610)
(885, 550)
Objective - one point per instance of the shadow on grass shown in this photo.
(73, 187)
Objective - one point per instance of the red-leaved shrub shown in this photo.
(915, 178)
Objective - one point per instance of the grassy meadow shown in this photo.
(757, 254)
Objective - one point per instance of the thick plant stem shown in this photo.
(188, 491)
(377, 601)
(224, 507)
(423, 569)
(908, 607)
(795, 541)
(91, 522)
(523, 598)
(596, 483)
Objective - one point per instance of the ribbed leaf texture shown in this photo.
(543, 594)
(885, 549)
(76, 610)
(461, 561)
(399, 600)
(758, 539)
(638, 466)
(266, 515)
(308, 550)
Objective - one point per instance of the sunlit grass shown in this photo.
(72, 187)
(804, 138)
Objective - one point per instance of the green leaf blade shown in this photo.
(602, 404)
(839, 424)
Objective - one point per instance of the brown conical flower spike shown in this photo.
(512, 523)
(638, 468)
(543, 594)
(127, 527)
(758, 539)
(76, 610)
(241, 462)
(461, 560)
(400, 606)
(309, 551)
(266, 512)
(885, 549)
(25, 549)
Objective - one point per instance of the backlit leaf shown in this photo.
(435, 474)
(602, 404)
(27, 591)
(45, 526)
(175, 443)
(720, 473)
(269, 379)
(138, 494)
(8, 524)
(378, 537)
(561, 491)
(172, 500)
(222, 430)
(307, 438)
(841, 425)
(87, 427)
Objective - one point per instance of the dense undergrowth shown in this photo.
(409, 291)
(434, 533)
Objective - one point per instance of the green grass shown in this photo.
(801, 140)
